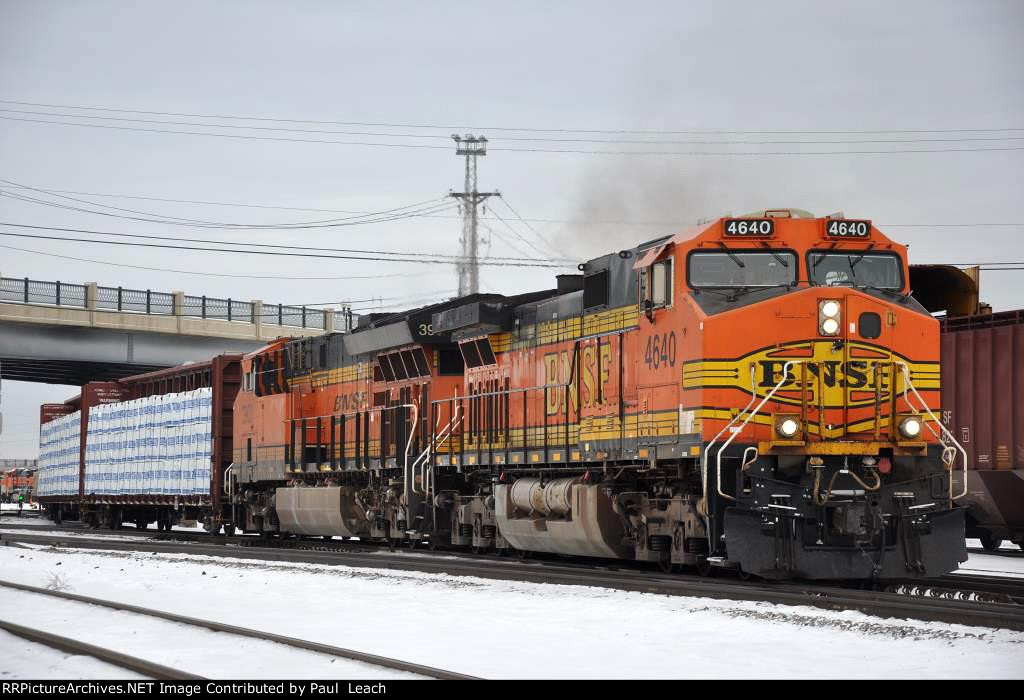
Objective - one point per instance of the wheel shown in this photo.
(522, 553)
(704, 567)
(229, 529)
(477, 550)
(393, 543)
(744, 575)
(989, 542)
(666, 565)
(411, 543)
(141, 524)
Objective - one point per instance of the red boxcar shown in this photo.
(982, 388)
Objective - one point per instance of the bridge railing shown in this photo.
(145, 301)
(138, 300)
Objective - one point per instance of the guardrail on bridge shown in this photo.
(93, 297)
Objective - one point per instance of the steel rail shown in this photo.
(877, 603)
(74, 646)
(317, 647)
(1012, 585)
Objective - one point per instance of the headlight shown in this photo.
(788, 427)
(829, 317)
(910, 427)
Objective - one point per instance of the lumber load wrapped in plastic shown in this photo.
(59, 451)
(155, 445)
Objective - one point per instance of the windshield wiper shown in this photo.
(853, 263)
(782, 261)
(732, 256)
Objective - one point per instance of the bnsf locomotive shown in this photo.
(755, 393)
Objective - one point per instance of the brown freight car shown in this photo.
(223, 375)
(982, 388)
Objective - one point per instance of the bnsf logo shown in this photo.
(854, 374)
(350, 402)
(839, 381)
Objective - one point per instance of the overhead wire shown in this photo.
(535, 232)
(280, 253)
(436, 204)
(531, 139)
(211, 274)
(399, 254)
(510, 128)
(516, 149)
(577, 222)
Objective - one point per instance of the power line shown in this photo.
(530, 139)
(210, 274)
(421, 295)
(516, 233)
(433, 261)
(436, 204)
(510, 128)
(535, 220)
(450, 258)
(511, 149)
(535, 231)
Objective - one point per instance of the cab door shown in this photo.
(657, 354)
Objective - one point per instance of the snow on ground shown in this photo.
(1010, 562)
(503, 629)
(182, 647)
(24, 659)
(13, 508)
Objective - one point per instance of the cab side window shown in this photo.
(656, 284)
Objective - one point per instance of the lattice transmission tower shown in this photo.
(468, 266)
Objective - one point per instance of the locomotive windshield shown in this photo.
(855, 269)
(741, 269)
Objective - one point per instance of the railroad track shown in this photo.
(998, 552)
(953, 605)
(163, 672)
(116, 658)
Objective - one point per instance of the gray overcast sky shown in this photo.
(804, 66)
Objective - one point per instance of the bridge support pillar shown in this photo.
(90, 301)
(179, 310)
(257, 317)
(329, 320)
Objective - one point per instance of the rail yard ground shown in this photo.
(504, 629)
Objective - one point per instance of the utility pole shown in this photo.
(468, 266)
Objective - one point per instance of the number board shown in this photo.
(749, 228)
(838, 228)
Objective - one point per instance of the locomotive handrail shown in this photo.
(373, 409)
(945, 431)
(435, 442)
(737, 431)
(707, 450)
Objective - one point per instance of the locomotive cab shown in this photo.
(815, 380)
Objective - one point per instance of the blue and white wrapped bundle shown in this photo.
(157, 445)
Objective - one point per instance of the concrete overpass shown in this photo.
(61, 333)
